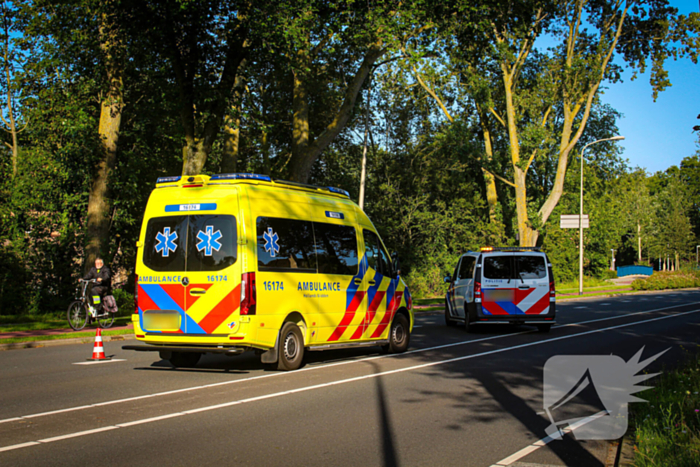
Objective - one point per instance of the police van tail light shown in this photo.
(136, 295)
(477, 289)
(248, 294)
(552, 289)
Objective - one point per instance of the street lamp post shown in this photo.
(612, 260)
(580, 217)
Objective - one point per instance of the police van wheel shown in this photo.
(291, 348)
(448, 320)
(399, 335)
(467, 321)
(184, 359)
(543, 327)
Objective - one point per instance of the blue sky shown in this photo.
(659, 134)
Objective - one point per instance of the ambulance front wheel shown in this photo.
(291, 348)
(399, 335)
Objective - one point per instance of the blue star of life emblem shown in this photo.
(271, 245)
(209, 241)
(166, 242)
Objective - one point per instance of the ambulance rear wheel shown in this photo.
(399, 335)
(291, 348)
(184, 359)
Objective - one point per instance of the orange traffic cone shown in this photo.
(98, 352)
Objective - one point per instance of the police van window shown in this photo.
(212, 242)
(165, 243)
(285, 245)
(336, 249)
(466, 268)
(530, 267)
(377, 258)
(498, 267)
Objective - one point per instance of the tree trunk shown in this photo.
(98, 219)
(232, 134)
(304, 151)
(639, 242)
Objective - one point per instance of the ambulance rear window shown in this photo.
(190, 243)
(165, 245)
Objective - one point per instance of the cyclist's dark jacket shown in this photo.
(105, 274)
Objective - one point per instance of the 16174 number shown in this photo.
(271, 286)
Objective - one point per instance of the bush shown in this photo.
(426, 283)
(608, 274)
(125, 301)
(668, 280)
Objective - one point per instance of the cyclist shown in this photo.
(103, 276)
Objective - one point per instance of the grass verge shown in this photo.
(667, 428)
(71, 335)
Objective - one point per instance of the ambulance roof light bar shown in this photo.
(510, 248)
(241, 176)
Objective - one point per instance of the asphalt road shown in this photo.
(452, 399)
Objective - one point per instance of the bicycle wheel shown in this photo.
(105, 319)
(77, 315)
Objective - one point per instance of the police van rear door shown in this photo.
(532, 292)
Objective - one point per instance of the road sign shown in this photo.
(571, 221)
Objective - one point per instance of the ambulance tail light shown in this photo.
(248, 294)
(136, 295)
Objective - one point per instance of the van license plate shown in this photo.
(159, 321)
(499, 295)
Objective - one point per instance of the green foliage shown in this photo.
(661, 280)
(667, 428)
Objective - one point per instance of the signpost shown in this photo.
(571, 221)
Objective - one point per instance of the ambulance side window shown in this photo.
(285, 245)
(377, 258)
(165, 243)
(212, 242)
(336, 249)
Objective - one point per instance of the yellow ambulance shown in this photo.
(237, 262)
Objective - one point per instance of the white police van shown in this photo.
(512, 285)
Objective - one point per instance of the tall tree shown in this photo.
(112, 48)
(540, 102)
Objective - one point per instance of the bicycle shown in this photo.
(81, 312)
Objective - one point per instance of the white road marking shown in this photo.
(100, 361)
(579, 307)
(605, 304)
(336, 383)
(322, 366)
(546, 440)
(417, 326)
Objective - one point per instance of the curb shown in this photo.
(55, 342)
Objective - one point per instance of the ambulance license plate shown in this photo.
(161, 320)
